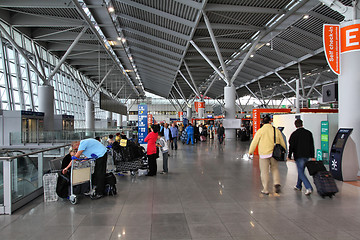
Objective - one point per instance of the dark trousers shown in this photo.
(174, 143)
(99, 173)
(221, 138)
(152, 164)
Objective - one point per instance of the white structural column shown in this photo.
(229, 97)
(89, 115)
(297, 96)
(46, 105)
(201, 109)
(349, 89)
(188, 112)
(119, 121)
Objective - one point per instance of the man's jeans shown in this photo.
(300, 163)
(174, 142)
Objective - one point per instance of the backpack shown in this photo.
(110, 185)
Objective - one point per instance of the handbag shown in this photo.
(279, 151)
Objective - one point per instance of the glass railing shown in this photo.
(21, 175)
(63, 137)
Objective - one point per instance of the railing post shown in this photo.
(40, 168)
(7, 186)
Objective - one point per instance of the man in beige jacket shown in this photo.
(264, 139)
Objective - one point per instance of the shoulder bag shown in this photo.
(279, 151)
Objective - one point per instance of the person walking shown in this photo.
(175, 134)
(163, 145)
(220, 133)
(151, 139)
(264, 139)
(301, 145)
(190, 134)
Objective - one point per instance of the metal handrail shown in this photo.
(36, 152)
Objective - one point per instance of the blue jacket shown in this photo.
(190, 130)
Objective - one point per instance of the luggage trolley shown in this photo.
(81, 170)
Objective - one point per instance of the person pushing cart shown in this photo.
(90, 148)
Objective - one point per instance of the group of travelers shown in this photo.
(301, 146)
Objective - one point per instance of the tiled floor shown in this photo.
(210, 193)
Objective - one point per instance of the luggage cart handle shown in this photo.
(93, 158)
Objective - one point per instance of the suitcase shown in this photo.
(315, 166)
(325, 184)
(110, 185)
(202, 138)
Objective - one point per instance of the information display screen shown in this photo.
(340, 143)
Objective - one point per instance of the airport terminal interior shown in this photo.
(215, 72)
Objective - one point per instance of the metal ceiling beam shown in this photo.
(269, 59)
(284, 55)
(26, 20)
(63, 58)
(99, 38)
(313, 85)
(294, 45)
(153, 55)
(192, 78)
(239, 8)
(154, 67)
(253, 93)
(245, 59)
(301, 79)
(188, 83)
(224, 26)
(148, 70)
(42, 34)
(216, 46)
(215, 77)
(79, 81)
(160, 62)
(205, 49)
(307, 33)
(102, 81)
(151, 46)
(154, 26)
(159, 67)
(158, 12)
(323, 17)
(25, 56)
(220, 39)
(63, 46)
(153, 38)
(117, 94)
(35, 3)
(208, 60)
(287, 84)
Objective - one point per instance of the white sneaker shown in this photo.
(297, 189)
(308, 192)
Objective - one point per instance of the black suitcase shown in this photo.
(315, 167)
(110, 185)
(325, 184)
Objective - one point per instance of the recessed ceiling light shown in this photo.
(268, 44)
(111, 9)
(119, 38)
(252, 55)
(306, 16)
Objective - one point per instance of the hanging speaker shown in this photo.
(330, 93)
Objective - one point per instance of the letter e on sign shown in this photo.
(350, 38)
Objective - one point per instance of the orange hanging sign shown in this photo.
(331, 40)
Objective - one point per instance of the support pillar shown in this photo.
(201, 109)
(109, 119)
(349, 89)
(89, 115)
(189, 113)
(229, 97)
(297, 96)
(46, 105)
(119, 121)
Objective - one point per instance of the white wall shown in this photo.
(311, 121)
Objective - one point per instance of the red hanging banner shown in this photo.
(331, 41)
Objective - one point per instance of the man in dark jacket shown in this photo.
(220, 133)
(301, 143)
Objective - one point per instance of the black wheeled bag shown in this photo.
(110, 184)
(315, 167)
(325, 184)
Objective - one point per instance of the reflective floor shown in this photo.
(210, 193)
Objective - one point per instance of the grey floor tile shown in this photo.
(208, 230)
(332, 235)
(170, 231)
(168, 218)
(131, 233)
(54, 233)
(293, 236)
(134, 219)
(92, 233)
(245, 228)
(99, 219)
(202, 217)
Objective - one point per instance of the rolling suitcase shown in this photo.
(315, 166)
(325, 184)
(202, 138)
